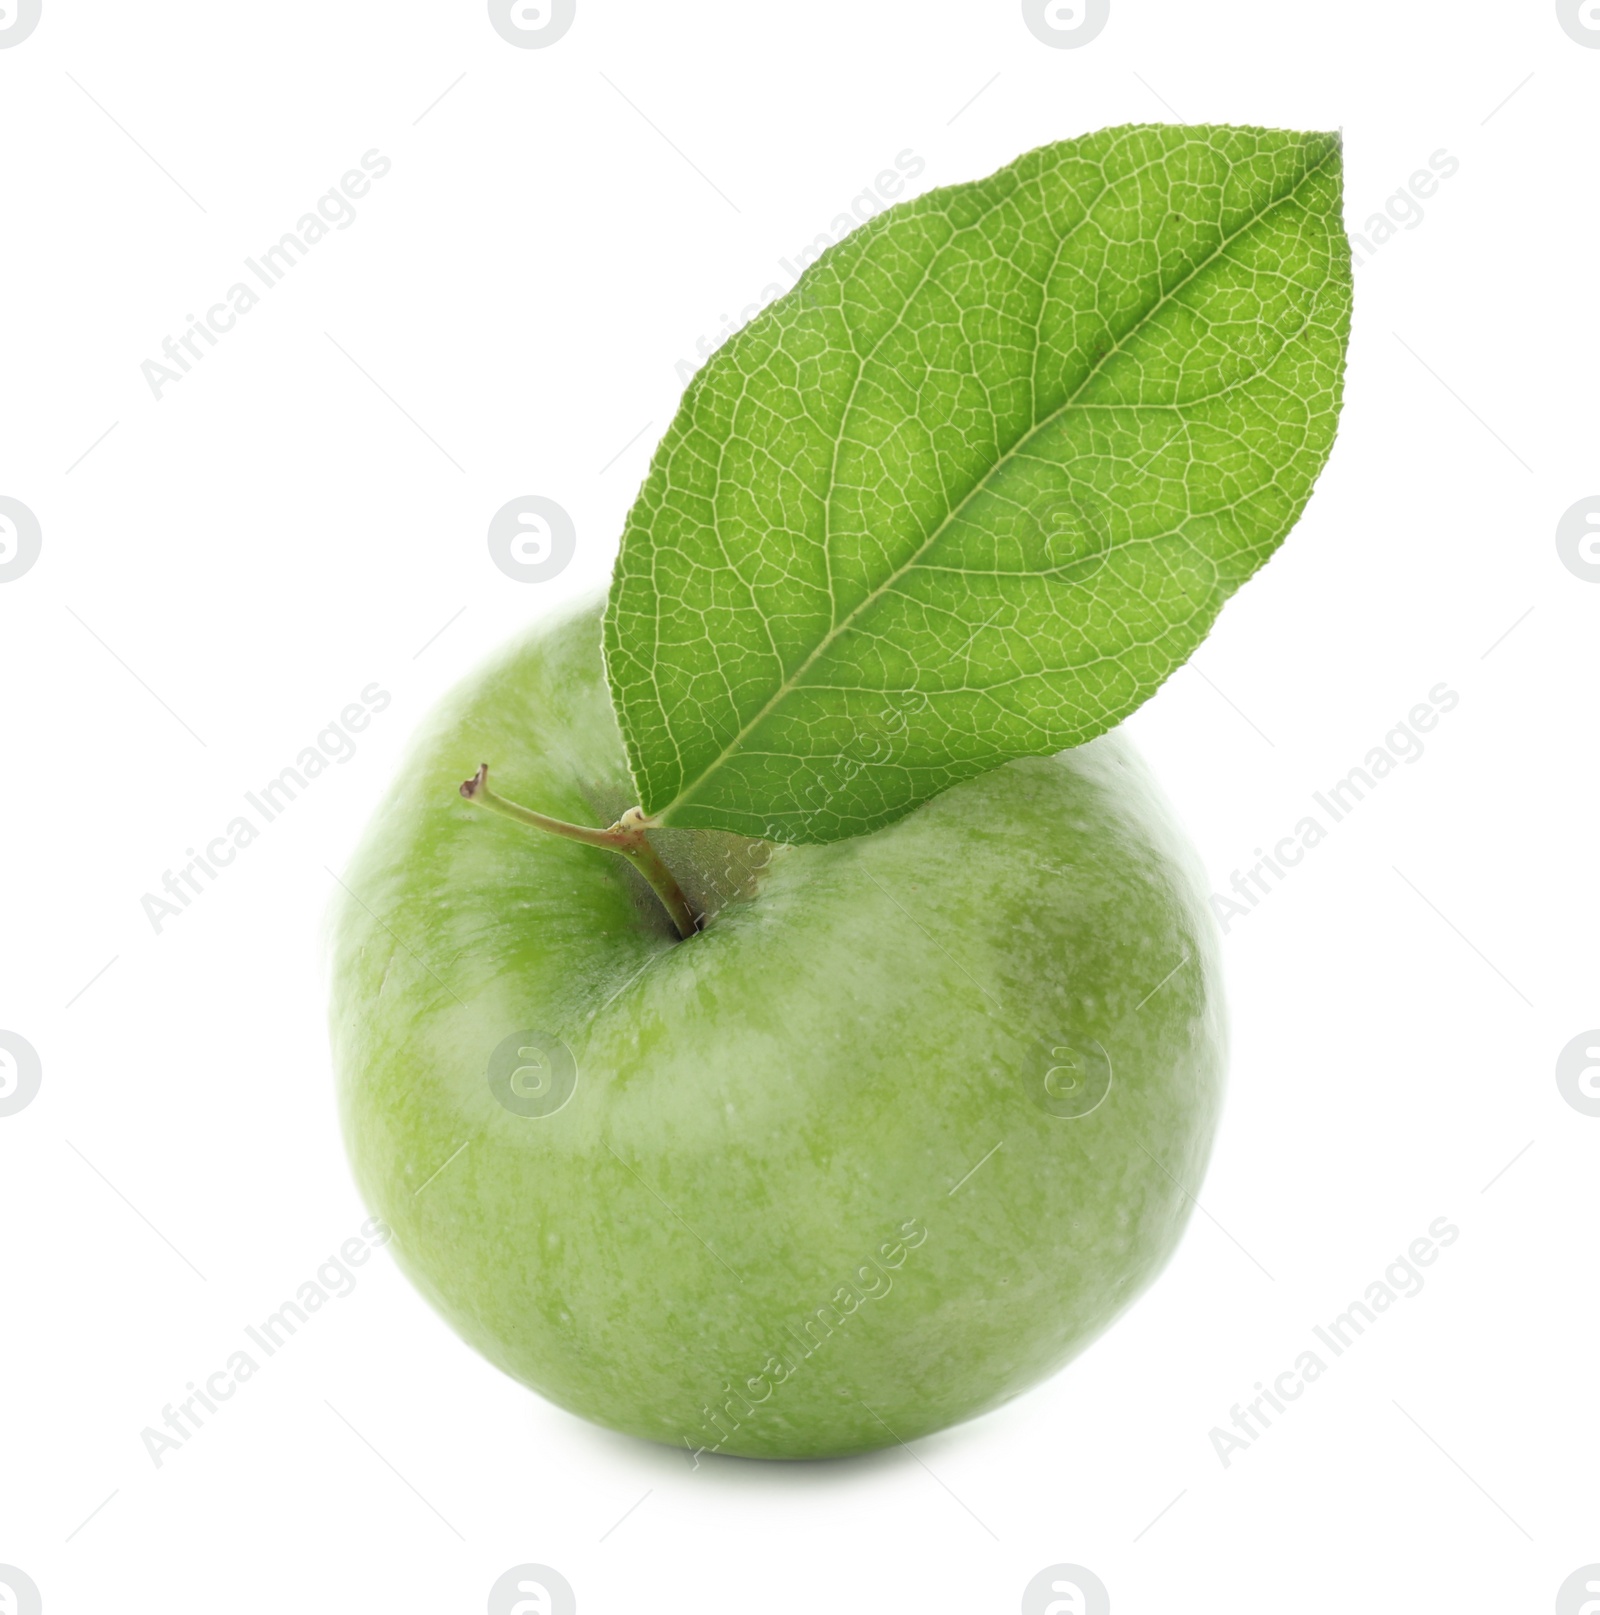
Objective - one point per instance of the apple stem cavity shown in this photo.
(626, 837)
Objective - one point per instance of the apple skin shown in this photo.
(747, 1230)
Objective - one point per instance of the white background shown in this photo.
(306, 514)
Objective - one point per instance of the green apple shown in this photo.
(900, 1131)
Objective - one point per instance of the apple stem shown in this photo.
(627, 837)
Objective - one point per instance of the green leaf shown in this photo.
(982, 480)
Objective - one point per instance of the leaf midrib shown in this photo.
(794, 680)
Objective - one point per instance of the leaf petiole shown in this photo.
(626, 837)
